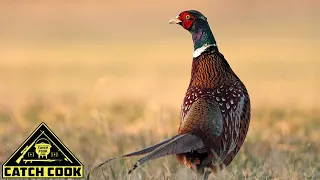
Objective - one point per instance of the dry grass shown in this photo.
(108, 86)
(281, 144)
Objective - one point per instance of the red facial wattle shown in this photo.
(187, 20)
(187, 24)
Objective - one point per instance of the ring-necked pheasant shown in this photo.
(215, 113)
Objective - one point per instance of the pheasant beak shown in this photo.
(175, 21)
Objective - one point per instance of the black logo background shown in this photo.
(55, 143)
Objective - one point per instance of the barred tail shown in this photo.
(179, 144)
(141, 152)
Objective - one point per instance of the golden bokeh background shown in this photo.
(127, 48)
(72, 56)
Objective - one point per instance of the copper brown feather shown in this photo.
(215, 113)
(214, 82)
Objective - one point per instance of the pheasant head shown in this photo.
(197, 24)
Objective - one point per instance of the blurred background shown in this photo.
(112, 74)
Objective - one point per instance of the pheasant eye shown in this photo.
(187, 16)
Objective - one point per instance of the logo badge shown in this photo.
(43, 155)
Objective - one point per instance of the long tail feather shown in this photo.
(180, 144)
(141, 152)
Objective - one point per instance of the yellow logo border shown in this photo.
(45, 168)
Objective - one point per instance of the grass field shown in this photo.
(281, 144)
(108, 86)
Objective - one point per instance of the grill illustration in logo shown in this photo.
(42, 155)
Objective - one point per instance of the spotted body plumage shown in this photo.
(233, 101)
(215, 113)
